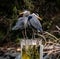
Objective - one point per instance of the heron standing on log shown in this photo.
(22, 22)
(34, 23)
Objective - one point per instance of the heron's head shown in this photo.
(37, 15)
(25, 13)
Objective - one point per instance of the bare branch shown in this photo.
(58, 27)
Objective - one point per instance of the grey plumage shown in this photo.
(24, 21)
(21, 23)
(34, 22)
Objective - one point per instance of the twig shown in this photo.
(58, 27)
(51, 35)
(42, 37)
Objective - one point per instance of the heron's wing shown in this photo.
(19, 24)
(36, 23)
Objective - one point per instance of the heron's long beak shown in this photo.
(20, 13)
(38, 17)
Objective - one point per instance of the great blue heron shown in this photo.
(22, 22)
(35, 23)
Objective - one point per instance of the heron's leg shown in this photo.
(23, 34)
(33, 35)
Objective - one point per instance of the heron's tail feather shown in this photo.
(14, 28)
(40, 30)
